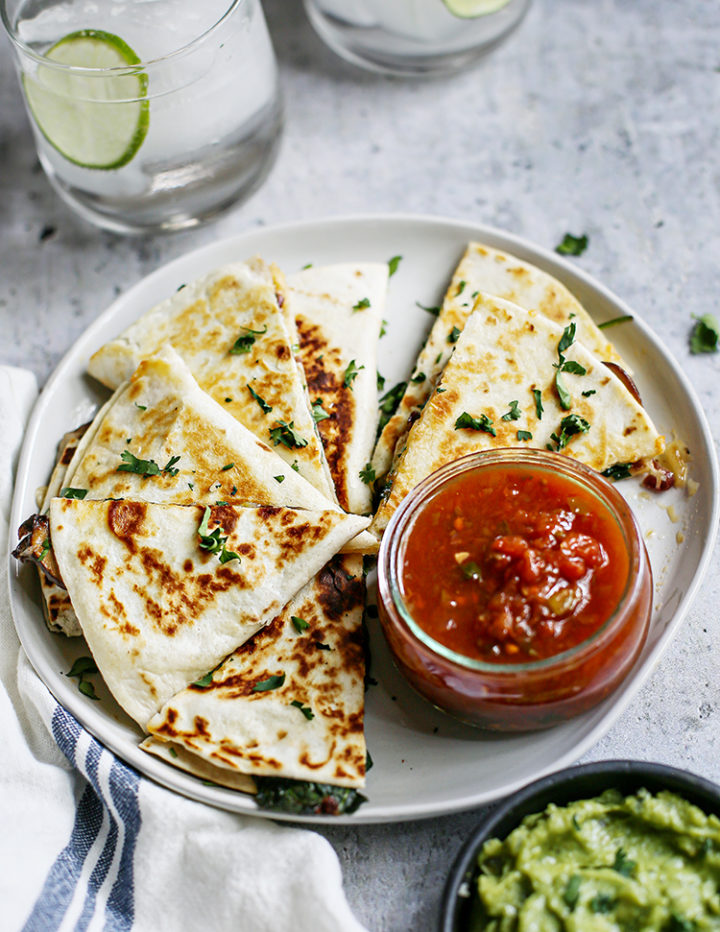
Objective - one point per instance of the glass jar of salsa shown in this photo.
(514, 588)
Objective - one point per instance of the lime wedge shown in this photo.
(469, 9)
(97, 119)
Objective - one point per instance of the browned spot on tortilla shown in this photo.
(95, 562)
(125, 520)
(188, 566)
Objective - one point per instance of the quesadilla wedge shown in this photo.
(289, 702)
(338, 312)
(518, 378)
(164, 593)
(230, 330)
(487, 270)
(161, 438)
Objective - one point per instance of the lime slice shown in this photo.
(97, 119)
(469, 9)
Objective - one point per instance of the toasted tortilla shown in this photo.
(338, 312)
(179, 757)
(202, 321)
(487, 270)
(502, 355)
(310, 726)
(161, 415)
(156, 608)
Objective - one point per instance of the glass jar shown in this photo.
(531, 694)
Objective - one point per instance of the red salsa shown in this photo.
(508, 565)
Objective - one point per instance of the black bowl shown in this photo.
(561, 788)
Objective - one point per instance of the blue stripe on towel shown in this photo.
(62, 879)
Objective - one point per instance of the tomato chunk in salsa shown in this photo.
(510, 564)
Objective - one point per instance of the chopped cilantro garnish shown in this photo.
(435, 311)
(574, 367)
(272, 682)
(141, 407)
(301, 797)
(566, 340)
(287, 435)
(617, 471)
(367, 474)
(82, 667)
(299, 624)
(294, 465)
(351, 374)
(308, 265)
(279, 479)
(70, 492)
(131, 463)
(704, 336)
(514, 413)
(454, 335)
(524, 435)
(420, 377)
(264, 406)
(214, 541)
(380, 382)
(305, 709)
(383, 328)
(461, 287)
(569, 426)
(172, 752)
(204, 681)
(245, 341)
(468, 422)
(393, 265)
(614, 320)
(361, 304)
(45, 549)
(563, 394)
(572, 245)
(227, 466)
(601, 903)
(537, 395)
(318, 412)
(590, 391)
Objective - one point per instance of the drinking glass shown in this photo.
(414, 37)
(148, 115)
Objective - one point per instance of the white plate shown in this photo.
(424, 763)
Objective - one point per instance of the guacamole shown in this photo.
(610, 864)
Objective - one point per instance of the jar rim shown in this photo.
(585, 476)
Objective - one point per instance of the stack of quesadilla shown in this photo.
(486, 270)
(517, 378)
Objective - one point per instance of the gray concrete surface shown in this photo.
(597, 117)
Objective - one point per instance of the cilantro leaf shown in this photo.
(572, 245)
(623, 864)
(435, 311)
(305, 709)
(299, 624)
(569, 426)
(272, 682)
(389, 402)
(704, 336)
(537, 395)
(87, 689)
(614, 320)
(287, 435)
(169, 466)
(563, 394)
(393, 265)
(214, 541)
(566, 340)
(45, 549)
(514, 413)
(69, 492)
(318, 412)
(524, 435)
(454, 335)
(574, 367)
(367, 474)
(380, 382)
(246, 340)
(361, 304)
(264, 406)
(82, 666)
(204, 681)
(617, 471)
(131, 463)
(351, 373)
(468, 422)
(417, 379)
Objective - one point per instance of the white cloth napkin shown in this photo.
(88, 844)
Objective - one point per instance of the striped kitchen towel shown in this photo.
(88, 844)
